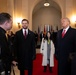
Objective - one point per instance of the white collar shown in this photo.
(66, 29)
(24, 31)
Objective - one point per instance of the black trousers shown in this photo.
(50, 68)
(29, 72)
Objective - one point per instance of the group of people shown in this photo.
(41, 35)
(23, 47)
(63, 47)
(24, 52)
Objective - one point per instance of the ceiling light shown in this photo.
(46, 3)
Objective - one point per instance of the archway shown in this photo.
(46, 15)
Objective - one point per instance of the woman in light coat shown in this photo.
(47, 49)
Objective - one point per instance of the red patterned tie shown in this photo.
(63, 33)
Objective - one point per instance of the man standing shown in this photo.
(41, 35)
(36, 38)
(5, 53)
(66, 45)
(25, 48)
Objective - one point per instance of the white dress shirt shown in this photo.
(66, 29)
(24, 31)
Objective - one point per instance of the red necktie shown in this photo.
(63, 33)
(25, 34)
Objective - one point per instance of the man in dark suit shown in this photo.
(41, 35)
(5, 54)
(25, 48)
(36, 37)
(66, 45)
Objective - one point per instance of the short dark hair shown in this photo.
(25, 20)
(4, 17)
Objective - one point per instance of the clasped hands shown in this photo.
(14, 63)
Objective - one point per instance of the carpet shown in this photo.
(38, 68)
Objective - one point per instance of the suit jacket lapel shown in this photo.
(21, 33)
(28, 33)
(61, 34)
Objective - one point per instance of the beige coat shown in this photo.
(43, 50)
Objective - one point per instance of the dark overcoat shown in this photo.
(74, 65)
(64, 47)
(25, 49)
(5, 53)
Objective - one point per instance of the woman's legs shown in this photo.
(50, 68)
(45, 67)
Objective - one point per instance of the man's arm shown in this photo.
(33, 47)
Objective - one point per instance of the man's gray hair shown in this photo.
(66, 19)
